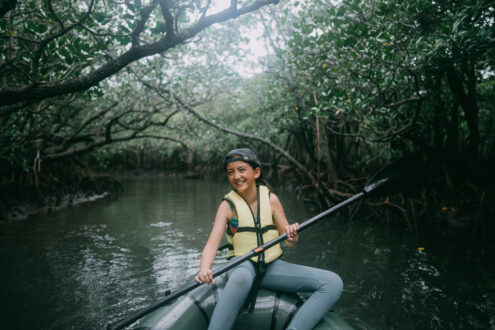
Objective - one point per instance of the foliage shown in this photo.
(74, 79)
(51, 51)
(386, 72)
(346, 87)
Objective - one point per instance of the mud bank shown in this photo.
(53, 204)
(21, 197)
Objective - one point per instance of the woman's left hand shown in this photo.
(291, 231)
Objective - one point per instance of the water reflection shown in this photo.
(80, 268)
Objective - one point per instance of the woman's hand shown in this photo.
(291, 231)
(205, 276)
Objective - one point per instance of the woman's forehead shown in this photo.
(236, 164)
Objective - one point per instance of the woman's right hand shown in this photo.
(205, 276)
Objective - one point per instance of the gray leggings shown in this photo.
(281, 276)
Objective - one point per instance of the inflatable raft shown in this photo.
(273, 311)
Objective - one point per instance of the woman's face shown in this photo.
(242, 176)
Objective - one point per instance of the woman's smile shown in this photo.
(239, 182)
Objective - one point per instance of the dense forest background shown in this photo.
(91, 88)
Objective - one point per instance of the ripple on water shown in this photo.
(95, 263)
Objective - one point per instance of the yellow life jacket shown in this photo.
(252, 231)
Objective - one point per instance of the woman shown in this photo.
(250, 216)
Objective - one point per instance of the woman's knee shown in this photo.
(332, 282)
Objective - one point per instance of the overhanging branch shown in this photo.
(11, 96)
(253, 137)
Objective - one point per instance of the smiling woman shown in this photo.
(261, 219)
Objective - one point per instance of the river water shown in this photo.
(93, 263)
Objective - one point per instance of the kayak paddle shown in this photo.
(386, 181)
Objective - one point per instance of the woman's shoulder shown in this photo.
(227, 208)
(274, 198)
(225, 204)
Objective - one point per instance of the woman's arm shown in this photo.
(281, 221)
(205, 274)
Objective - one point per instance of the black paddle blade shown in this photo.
(402, 175)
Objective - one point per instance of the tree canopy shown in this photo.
(345, 87)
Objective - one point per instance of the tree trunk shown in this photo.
(467, 100)
(439, 110)
(453, 131)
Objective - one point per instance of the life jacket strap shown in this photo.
(250, 303)
(227, 246)
(257, 230)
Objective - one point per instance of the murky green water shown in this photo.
(85, 266)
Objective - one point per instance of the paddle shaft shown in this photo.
(137, 315)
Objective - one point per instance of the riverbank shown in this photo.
(26, 194)
(444, 210)
(23, 195)
(51, 204)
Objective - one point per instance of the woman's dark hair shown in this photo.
(243, 155)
